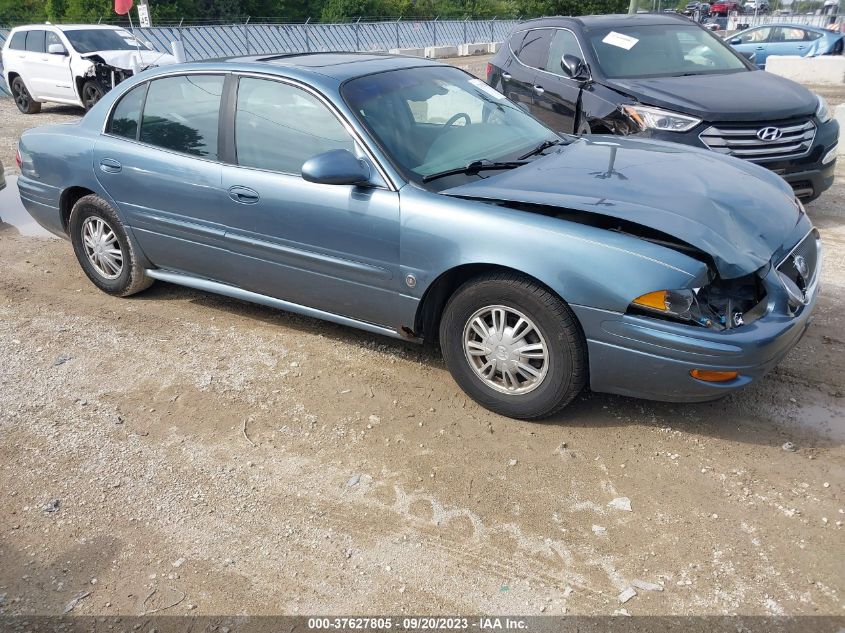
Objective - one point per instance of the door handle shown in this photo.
(243, 195)
(538, 90)
(759, 48)
(506, 76)
(110, 165)
(801, 48)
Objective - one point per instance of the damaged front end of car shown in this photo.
(106, 74)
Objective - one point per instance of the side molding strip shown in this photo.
(238, 293)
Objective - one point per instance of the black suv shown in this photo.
(666, 77)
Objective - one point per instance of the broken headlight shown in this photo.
(721, 304)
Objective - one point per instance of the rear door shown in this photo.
(790, 40)
(531, 56)
(557, 104)
(158, 161)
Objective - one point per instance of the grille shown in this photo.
(741, 140)
(799, 271)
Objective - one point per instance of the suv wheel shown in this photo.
(104, 250)
(513, 346)
(23, 99)
(92, 92)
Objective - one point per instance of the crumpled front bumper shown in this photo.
(650, 358)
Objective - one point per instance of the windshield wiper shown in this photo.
(472, 169)
(542, 147)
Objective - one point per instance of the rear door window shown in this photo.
(182, 114)
(18, 41)
(35, 41)
(127, 113)
(534, 51)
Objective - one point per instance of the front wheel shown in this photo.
(92, 92)
(513, 346)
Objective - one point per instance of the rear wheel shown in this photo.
(92, 92)
(104, 250)
(23, 99)
(513, 346)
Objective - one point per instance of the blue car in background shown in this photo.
(410, 199)
(786, 39)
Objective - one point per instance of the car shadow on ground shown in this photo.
(736, 418)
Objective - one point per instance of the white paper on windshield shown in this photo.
(619, 40)
(487, 89)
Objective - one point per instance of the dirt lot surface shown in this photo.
(180, 448)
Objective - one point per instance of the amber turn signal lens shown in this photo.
(654, 300)
(711, 375)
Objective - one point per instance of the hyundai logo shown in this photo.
(769, 133)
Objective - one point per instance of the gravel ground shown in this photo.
(180, 448)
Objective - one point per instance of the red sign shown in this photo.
(122, 7)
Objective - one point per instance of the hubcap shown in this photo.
(102, 248)
(506, 350)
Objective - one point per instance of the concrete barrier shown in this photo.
(439, 52)
(493, 47)
(413, 52)
(827, 69)
(472, 49)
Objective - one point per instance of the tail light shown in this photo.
(489, 70)
(18, 158)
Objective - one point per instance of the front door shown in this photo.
(52, 72)
(557, 104)
(330, 247)
(755, 41)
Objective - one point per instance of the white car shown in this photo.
(74, 64)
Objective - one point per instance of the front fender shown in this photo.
(585, 265)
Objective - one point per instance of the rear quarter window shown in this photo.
(126, 115)
(18, 41)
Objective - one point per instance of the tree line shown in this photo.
(13, 12)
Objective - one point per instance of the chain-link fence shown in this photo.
(821, 20)
(208, 42)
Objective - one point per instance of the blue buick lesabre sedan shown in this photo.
(409, 199)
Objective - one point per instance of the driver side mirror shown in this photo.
(56, 49)
(336, 167)
(574, 67)
(735, 41)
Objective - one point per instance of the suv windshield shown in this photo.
(91, 40)
(662, 51)
(435, 119)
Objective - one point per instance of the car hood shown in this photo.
(736, 212)
(724, 97)
(123, 59)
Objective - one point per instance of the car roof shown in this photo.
(337, 65)
(69, 27)
(605, 21)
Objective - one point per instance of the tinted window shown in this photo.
(563, 43)
(279, 127)
(662, 51)
(127, 113)
(755, 35)
(90, 40)
(181, 114)
(535, 48)
(35, 41)
(18, 41)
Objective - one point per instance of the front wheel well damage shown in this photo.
(70, 197)
(433, 302)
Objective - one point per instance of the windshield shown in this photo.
(661, 51)
(435, 119)
(91, 40)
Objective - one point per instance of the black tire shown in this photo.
(23, 99)
(567, 369)
(130, 277)
(92, 92)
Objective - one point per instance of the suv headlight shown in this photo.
(822, 110)
(649, 118)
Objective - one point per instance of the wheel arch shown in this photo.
(67, 199)
(437, 294)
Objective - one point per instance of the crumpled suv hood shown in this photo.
(735, 211)
(123, 59)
